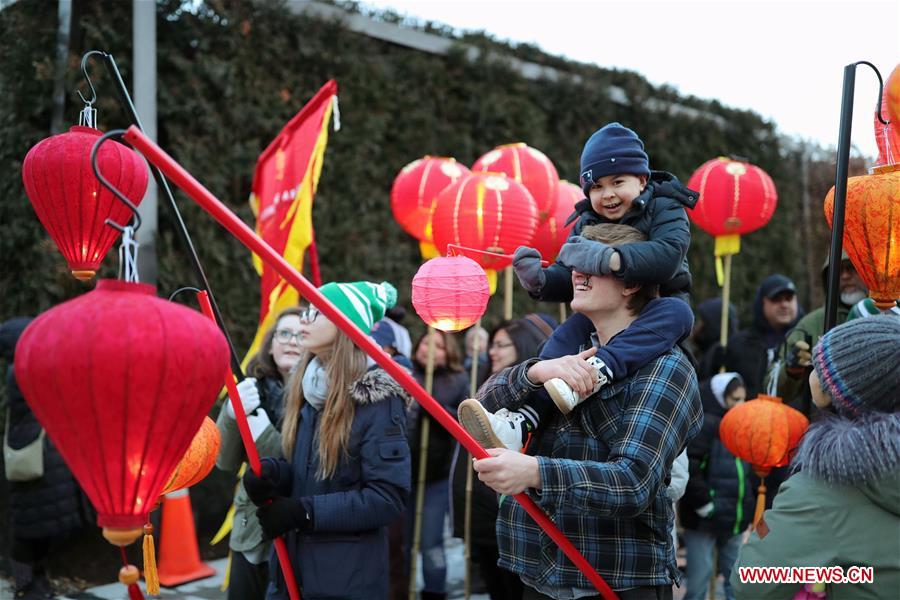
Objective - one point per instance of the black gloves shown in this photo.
(261, 489)
(283, 515)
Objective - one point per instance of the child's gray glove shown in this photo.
(586, 256)
(527, 265)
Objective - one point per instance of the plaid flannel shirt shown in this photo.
(604, 470)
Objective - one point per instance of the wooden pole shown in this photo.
(508, 293)
(423, 459)
(467, 519)
(726, 299)
(562, 312)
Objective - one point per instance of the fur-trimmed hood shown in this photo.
(864, 450)
(376, 385)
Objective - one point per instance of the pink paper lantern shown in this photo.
(450, 293)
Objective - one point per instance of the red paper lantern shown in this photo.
(872, 231)
(763, 431)
(735, 197)
(485, 211)
(199, 459)
(887, 137)
(892, 95)
(530, 167)
(69, 200)
(553, 233)
(450, 293)
(415, 192)
(121, 381)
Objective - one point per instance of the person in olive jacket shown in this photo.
(348, 476)
(718, 503)
(262, 398)
(842, 509)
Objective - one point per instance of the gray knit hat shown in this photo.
(858, 365)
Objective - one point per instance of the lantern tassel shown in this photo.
(134, 592)
(151, 576)
(760, 503)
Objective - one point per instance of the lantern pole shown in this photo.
(470, 470)
(423, 462)
(726, 299)
(253, 242)
(508, 293)
(840, 189)
(128, 106)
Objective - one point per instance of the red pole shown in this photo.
(234, 397)
(248, 237)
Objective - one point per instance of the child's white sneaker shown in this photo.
(565, 397)
(502, 429)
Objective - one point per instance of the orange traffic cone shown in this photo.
(179, 556)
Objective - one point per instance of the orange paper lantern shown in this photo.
(764, 432)
(872, 231)
(887, 137)
(199, 459)
(415, 191)
(553, 233)
(892, 95)
(530, 167)
(450, 293)
(485, 211)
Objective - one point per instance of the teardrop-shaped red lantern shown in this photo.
(415, 192)
(199, 459)
(887, 137)
(735, 197)
(69, 200)
(121, 381)
(485, 211)
(553, 233)
(530, 167)
(450, 293)
(872, 231)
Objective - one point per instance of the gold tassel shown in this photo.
(227, 579)
(151, 577)
(760, 502)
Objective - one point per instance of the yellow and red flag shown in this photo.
(284, 184)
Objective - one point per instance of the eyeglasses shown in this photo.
(284, 336)
(309, 315)
(500, 345)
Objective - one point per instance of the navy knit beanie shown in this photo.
(858, 365)
(613, 149)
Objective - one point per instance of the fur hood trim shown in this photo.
(376, 385)
(851, 451)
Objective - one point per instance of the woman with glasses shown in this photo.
(262, 398)
(346, 471)
(511, 342)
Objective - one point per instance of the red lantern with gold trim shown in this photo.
(735, 197)
(764, 432)
(415, 191)
(69, 200)
(530, 167)
(553, 233)
(872, 231)
(450, 293)
(121, 381)
(488, 212)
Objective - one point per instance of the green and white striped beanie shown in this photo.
(362, 302)
(866, 308)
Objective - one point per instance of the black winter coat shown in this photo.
(717, 476)
(53, 504)
(449, 388)
(659, 212)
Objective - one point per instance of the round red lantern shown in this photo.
(415, 191)
(121, 381)
(553, 233)
(69, 200)
(764, 432)
(199, 459)
(735, 197)
(530, 167)
(450, 293)
(872, 231)
(485, 211)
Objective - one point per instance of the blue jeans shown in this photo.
(431, 545)
(699, 544)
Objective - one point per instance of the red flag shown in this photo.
(284, 184)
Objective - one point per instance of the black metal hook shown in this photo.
(84, 62)
(103, 181)
(880, 88)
